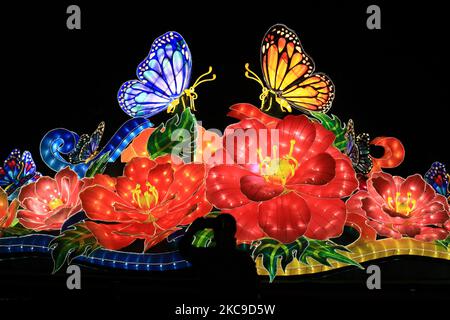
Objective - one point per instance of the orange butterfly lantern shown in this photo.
(288, 74)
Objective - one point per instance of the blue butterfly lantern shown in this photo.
(18, 170)
(62, 148)
(163, 83)
(439, 179)
(86, 147)
(163, 79)
(358, 149)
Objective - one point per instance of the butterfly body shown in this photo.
(186, 98)
(87, 146)
(283, 103)
(163, 79)
(288, 74)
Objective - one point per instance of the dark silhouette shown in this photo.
(223, 271)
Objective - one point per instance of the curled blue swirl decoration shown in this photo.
(58, 142)
(39, 243)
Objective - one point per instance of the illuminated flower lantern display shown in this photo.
(209, 145)
(295, 178)
(293, 188)
(149, 201)
(7, 211)
(397, 207)
(18, 170)
(48, 203)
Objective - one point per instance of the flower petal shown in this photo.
(342, 185)
(243, 111)
(246, 217)
(106, 235)
(223, 186)
(318, 170)
(359, 222)
(258, 189)
(433, 213)
(30, 220)
(381, 186)
(208, 142)
(7, 213)
(431, 234)
(408, 230)
(138, 168)
(124, 188)
(3, 204)
(186, 181)
(68, 185)
(300, 129)
(36, 206)
(285, 217)
(324, 139)
(384, 230)
(354, 203)
(197, 206)
(440, 198)
(58, 217)
(416, 186)
(380, 213)
(242, 141)
(28, 191)
(46, 189)
(328, 217)
(427, 195)
(104, 181)
(161, 177)
(102, 204)
(157, 238)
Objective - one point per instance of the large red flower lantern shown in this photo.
(148, 202)
(283, 189)
(397, 207)
(48, 203)
(7, 211)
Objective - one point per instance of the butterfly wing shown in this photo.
(364, 164)
(315, 93)
(162, 77)
(17, 171)
(438, 178)
(74, 156)
(358, 149)
(288, 71)
(138, 100)
(29, 165)
(350, 137)
(29, 168)
(90, 148)
(13, 157)
(10, 170)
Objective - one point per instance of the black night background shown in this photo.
(391, 82)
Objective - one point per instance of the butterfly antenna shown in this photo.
(200, 79)
(252, 75)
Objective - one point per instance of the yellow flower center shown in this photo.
(55, 203)
(403, 207)
(145, 200)
(275, 169)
